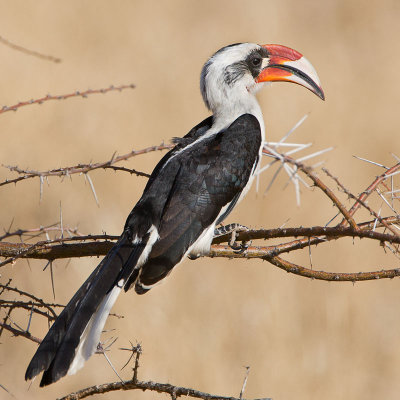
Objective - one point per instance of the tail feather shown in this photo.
(73, 337)
(91, 335)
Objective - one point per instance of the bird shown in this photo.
(190, 192)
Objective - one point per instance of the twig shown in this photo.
(37, 302)
(17, 332)
(362, 198)
(29, 52)
(359, 201)
(5, 389)
(268, 254)
(84, 168)
(84, 94)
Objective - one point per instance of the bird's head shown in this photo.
(236, 72)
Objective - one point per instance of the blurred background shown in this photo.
(303, 339)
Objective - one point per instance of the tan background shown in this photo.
(303, 339)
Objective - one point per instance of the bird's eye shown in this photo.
(256, 61)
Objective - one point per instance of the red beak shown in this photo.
(286, 64)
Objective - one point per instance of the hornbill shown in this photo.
(192, 189)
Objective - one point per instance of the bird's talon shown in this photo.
(236, 247)
(242, 248)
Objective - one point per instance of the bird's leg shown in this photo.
(234, 230)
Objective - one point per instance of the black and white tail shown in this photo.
(74, 336)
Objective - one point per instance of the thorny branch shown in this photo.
(167, 388)
(82, 246)
(84, 168)
(49, 97)
(135, 383)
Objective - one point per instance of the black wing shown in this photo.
(196, 184)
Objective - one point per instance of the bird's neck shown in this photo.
(231, 107)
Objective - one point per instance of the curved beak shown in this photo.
(286, 64)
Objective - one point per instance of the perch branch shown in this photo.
(98, 245)
(61, 248)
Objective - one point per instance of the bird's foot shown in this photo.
(233, 229)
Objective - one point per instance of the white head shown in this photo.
(232, 76)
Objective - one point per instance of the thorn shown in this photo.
(29, 321)
(102, 351)
(41, 188)
(396, 157)
(244, 383)
(61, 222)
(333, 218)
(371, 162)
(50, 263)
(112, 157)
(93, 190)
(317, 153)
(297, 125)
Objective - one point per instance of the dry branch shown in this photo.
(167, 388)
(85, 168)
(49, 97)
(367, 192)
(135, 384)
(18, 332)
(97, 246)
(29, 52)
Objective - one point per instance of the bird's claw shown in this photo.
(239, 248)
(234, 230)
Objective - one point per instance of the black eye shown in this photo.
(256, 61)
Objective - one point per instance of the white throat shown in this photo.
(229, 104)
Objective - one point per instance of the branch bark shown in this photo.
(85, 246)
(173, 391)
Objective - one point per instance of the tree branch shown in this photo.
(84, 168)
(167, 388)
(84, 94)
(90, 246)
(18, 332)
(29, 52)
